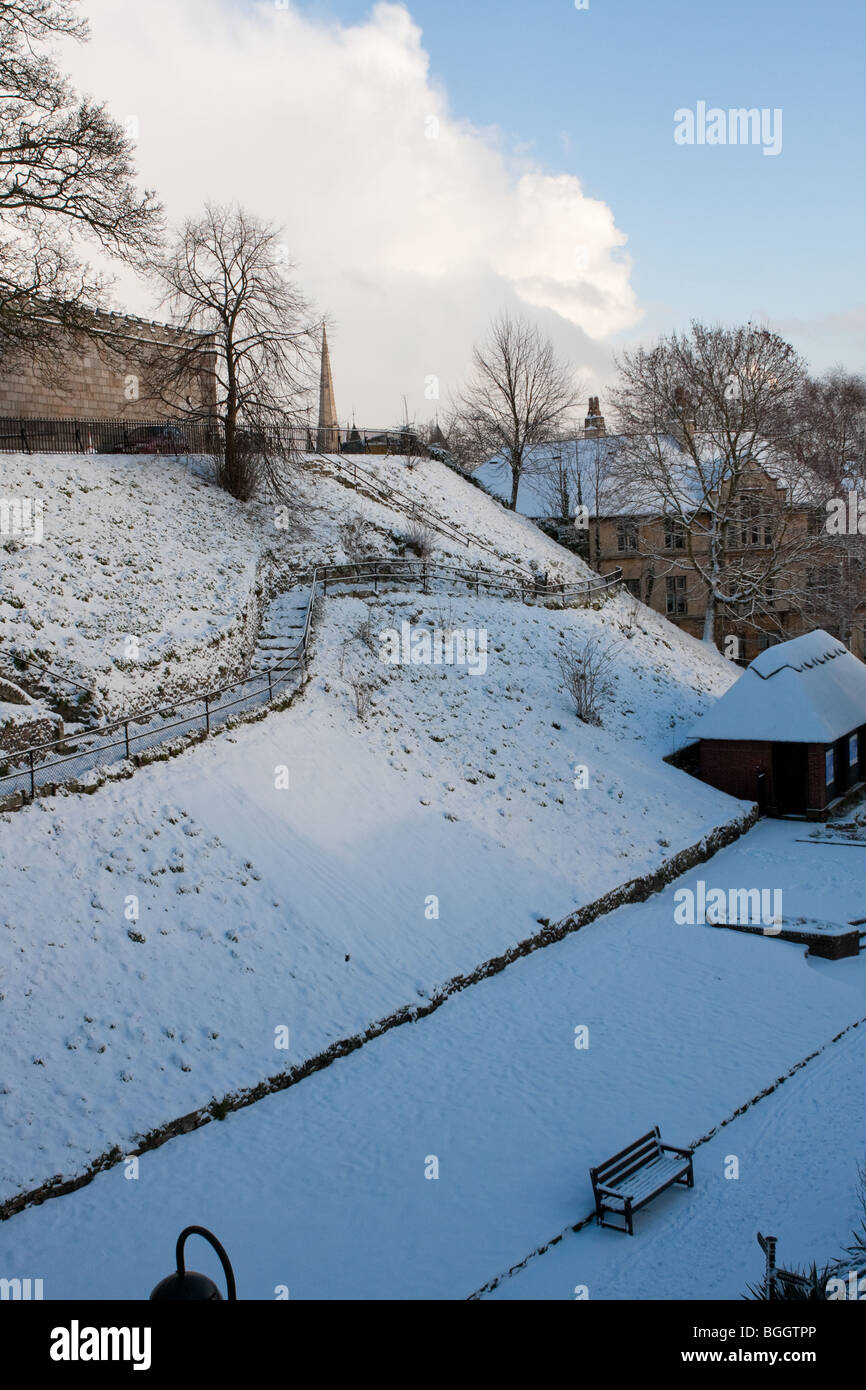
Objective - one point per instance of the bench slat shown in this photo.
(646, 1180)
(653, 1134)
(636, 1175)
(633, 1158)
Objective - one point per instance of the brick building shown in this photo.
(790, 733)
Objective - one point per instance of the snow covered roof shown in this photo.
(808, 690)
(609, 492)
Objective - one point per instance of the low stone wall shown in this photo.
(32, 733)
(829, 945)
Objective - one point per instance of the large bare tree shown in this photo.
(697, 412)
(67, 176)
(519, 396)
(827, 427)
(827, 437)
(228, 283)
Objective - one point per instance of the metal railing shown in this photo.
(91, 434)
(66, 759)
(391, 496)
(117, 436)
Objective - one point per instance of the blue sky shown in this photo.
(714, 232)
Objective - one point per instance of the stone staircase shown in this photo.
(282, 629)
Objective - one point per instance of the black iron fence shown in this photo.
(119, 436)
(70, 758)
(176, 435)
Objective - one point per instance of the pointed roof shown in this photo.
(327, 404)
(808, 690)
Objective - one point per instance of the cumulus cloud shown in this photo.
(410, 227)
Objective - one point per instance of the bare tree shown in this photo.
(66, 173)
(701, 414)
(519, 396)
(587, 667)
(827, 438)
(227, 283)
(410, 445)
(827, 428)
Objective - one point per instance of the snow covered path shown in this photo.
(323, 1188)
(798, 1150)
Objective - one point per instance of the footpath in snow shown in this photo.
(324, 1188)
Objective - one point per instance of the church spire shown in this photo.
(328, 434)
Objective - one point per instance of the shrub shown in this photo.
(586, 668)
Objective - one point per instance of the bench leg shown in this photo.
(625, 1230)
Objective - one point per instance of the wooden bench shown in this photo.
(625, 1183)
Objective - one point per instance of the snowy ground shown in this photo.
(478, 517)
(158, 932)
(259, 907)
(131, 547)
(322, 1188)
(148, 548)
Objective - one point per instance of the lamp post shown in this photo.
(187, 1286)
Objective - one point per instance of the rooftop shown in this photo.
(808, 690)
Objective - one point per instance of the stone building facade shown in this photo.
(109, 372)
(651, 551)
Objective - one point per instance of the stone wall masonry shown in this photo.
(106, 377)
(15, 738)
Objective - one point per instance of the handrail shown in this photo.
(382, 568)
(388, 493)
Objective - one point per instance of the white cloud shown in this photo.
(409, 226)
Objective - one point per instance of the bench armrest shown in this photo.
(672, 1148)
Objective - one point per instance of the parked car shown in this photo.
(154, 439)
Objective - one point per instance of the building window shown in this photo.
(633, 586)
(675, 595)
(754, 526)
(829, 767)
(626, 535)
(853, 750)
(675, 535)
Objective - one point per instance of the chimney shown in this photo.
(593, 425)
(683, 423)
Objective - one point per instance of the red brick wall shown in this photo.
(732, 764)
(817, 796)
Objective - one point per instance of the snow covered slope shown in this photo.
(324, 1188)
(147, 578)
(204, 903)
(334, 492)
(131, 548)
